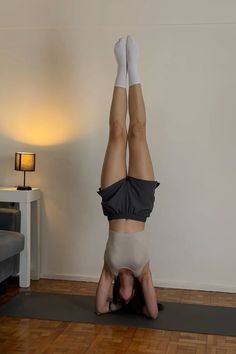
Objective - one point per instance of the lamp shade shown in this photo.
(25, 161)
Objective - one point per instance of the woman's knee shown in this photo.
(137, 129)
(117, 130)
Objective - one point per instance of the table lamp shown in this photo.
(24, 161)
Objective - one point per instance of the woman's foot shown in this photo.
(132, 57)
(120, 54)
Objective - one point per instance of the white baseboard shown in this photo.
(194, 286)
(157, 283)
(69, 277)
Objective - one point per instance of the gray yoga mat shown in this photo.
(180, 317)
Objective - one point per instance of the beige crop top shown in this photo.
(126, 250)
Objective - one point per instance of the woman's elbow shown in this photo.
(151, 314)
(154, 315)
(99, 310)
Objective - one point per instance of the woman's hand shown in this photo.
(115, 307)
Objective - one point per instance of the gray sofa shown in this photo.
(12, 242)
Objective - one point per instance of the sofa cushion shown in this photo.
(10, 219)
(11, 243)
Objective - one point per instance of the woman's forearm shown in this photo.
(102, 292)
(145, 311)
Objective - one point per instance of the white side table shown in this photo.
(29, 204)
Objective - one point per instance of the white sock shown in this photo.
(120, 54)
(132, 56)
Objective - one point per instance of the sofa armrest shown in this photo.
(10, 219)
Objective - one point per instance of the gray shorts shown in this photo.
(128, 198)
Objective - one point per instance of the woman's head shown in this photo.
(126, 279)
(127, 289)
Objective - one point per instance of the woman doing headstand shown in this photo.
(127, 198)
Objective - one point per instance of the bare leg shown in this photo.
(114, 165)
(140, 163)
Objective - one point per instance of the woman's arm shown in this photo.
(150, 309)
(102, 293)
(103, 288)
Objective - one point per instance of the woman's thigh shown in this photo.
(140, 163)
(114, 165)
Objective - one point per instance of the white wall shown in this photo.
(57, 71)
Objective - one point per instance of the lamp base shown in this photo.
(23, 188)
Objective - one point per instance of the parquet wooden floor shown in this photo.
(31, 336)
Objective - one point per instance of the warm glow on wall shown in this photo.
(39, 124)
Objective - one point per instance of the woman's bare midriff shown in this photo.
(126, 225)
